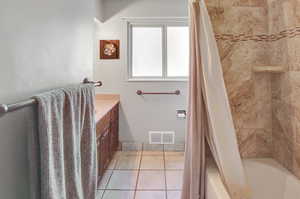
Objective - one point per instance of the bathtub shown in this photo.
(267, 179)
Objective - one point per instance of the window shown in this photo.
(158, 49)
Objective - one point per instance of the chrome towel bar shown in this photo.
(140, 92)
(6, 108)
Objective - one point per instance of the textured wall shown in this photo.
(286, 87)
(237, 25)
(265, 106)
(139, 114)
(44, 44)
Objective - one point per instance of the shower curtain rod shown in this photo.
(7, 108)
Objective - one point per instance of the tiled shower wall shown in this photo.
(265, 106)
(286, 86)
(236, 23)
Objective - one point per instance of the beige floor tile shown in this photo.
(153, 147)
(174, 194)
(173, 153)
(123, 180)
(99, 194)
(128, 162)
(105, 179)
(131, 146)
(150, 195)
(128, 153)
(152, 162)
(113, 162)
(151, 180)
(174, 162)
(174, 180)
(161, 153)
(109, 194)
(174, 147)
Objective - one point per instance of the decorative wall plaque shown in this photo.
(109, 49)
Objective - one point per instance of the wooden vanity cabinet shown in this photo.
(115, 130)
(104, 152)
(107, 139)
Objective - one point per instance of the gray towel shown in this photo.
(63, 152)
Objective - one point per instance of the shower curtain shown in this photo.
(210, 118)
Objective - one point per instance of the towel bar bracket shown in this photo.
(3, 109)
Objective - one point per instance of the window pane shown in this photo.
(147, 51)
(178, 51)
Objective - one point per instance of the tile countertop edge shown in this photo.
(104, 103)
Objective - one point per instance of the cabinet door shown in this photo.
(115, 129)
(103, 124)
(99, 159)
(104, 151)
(114, 136)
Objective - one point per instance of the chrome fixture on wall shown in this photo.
(6, 108)
(140, 92)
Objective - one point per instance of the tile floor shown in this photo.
(143, 175)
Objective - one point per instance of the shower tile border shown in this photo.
(288, 33)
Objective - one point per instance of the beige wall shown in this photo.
(249, 93)
(139, 114)
(44, 44)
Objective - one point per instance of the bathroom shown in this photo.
(153, 109)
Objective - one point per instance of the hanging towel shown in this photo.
(63, 151)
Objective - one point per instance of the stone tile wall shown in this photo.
(284, 15)
(239, 26)
(265, 106)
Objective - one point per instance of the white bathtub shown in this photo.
(267, 178)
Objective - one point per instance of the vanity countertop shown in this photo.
(104, 103)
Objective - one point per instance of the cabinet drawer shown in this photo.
(103, 124)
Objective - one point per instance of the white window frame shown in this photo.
(152, 22)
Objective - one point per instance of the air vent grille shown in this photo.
(161, 137)
(168, 137)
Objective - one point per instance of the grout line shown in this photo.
(165, 173)
(138, 174)
(105, 187)
(109, 179)
(102, 194)
(112, 171)
(114, 168)
(117, 160)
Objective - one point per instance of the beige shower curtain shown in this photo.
(209, 115)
